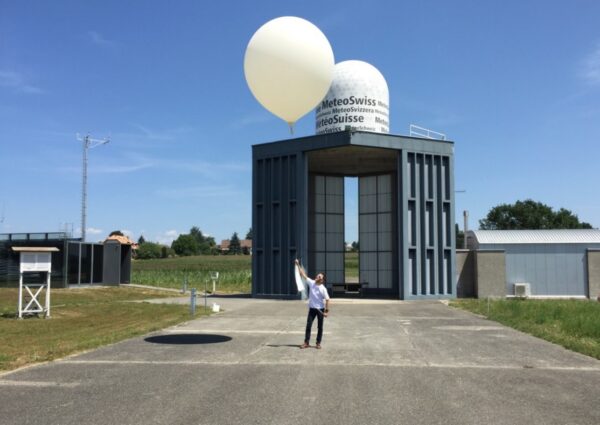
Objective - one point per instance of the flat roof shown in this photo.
(554, 236)
(35, 249)
(350, 138)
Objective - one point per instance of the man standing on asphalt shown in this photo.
(318, 305)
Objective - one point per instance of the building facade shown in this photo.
(406, 213)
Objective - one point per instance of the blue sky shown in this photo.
(516, 86)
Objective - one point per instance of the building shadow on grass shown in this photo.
(25, 316)
(188, 339)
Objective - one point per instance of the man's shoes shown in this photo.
(318, 346)
(305, 345)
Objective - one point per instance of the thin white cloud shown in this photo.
(143, 136)
(94, 231)
(109, 169)
(332, 21)
(99, 40)
(205, 168)
(253, 119)
(167, 134)
(119, 169)
(201, 192)
(15, 81)
(590, 67)
(167, 238)
(134, 162)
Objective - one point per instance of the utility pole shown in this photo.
(466, 221)
(466, 227)
(88, 143)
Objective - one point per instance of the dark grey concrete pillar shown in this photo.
(593, 272)
(490, 276)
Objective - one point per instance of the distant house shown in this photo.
(123, 240)
(245, 245)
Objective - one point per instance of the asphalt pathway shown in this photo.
(381, 363)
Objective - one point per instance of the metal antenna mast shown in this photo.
(88, 143)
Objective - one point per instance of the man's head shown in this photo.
(320, 278)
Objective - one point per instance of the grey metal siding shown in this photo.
(550, 269)
(378, 234)
(326, 227)
(427, 201)
(278, 214)
(112, 263)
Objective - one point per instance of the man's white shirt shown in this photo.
(317, 294)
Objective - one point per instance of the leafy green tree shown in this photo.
(529, 214)
(197, 233)
(141, 240)
(565, 219)
(166, 252)
(355, 246)
(185, 245)
(249, 234)
(460, 236)
(206, 244)
(234, 244)
(116, 233)
(148, 250)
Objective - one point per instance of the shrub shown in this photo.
(149, 250)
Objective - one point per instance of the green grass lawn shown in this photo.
(351, 262)
(235, 275)
(573, 324)
(235, 272)
(81, 319)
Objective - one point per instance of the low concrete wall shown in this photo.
(490, 275)
(465, 273)
(593, 272)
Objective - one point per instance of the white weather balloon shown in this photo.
(289, 67)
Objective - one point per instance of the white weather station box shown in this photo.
(34, 260)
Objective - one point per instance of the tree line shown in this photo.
(521, 215)
(526, 215)
(192, 243)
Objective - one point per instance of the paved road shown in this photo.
(381, 363)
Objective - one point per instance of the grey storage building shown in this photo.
(552, 262)
(406, 213)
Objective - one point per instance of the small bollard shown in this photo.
(193, 302)
(184, 285)
(214, 277)
(205, 304)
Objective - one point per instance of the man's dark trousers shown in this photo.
(312, 312)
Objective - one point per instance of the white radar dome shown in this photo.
(358, 98)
